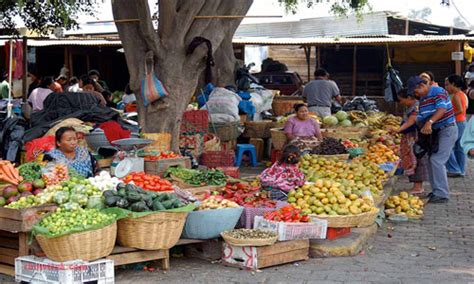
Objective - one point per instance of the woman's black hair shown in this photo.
(456, 81)
(471, 84)
(403, 93)
(46, 81)
(73, 80)
(60, 132)
(430, 74)
(297, 107)
(291, 155)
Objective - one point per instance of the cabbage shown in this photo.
(61, 197)
(341, 115)
(361, 124)
(71, 206)
(79, 198)
(346, 123)
(95, 202)
(330, 120)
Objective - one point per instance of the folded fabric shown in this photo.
(113, 131)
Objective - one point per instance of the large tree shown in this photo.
(178, 24)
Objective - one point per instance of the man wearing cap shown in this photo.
(436, 116)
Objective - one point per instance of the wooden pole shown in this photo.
(25, 69)
(407, 26)
(457, 63)
(307, 52)
(318, 57)
(354, 71)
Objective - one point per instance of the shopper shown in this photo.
(320, 93)
(470, 97)
(284, 174)
(415, 168)
(429, 77)
(467, 140)
(456, 165)
(301, 130)
(74, 85)
(4, 87)
(88, 87)
(95, 76)
(436, 116)
(39, 94)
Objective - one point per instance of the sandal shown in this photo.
(417, 192)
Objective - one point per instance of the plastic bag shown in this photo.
(36, 147)
(152, 88)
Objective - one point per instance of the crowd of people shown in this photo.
(41, 87)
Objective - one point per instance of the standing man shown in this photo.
(320, 92)
(436, 115)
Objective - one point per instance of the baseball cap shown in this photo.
(412, 83)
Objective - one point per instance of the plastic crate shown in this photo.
(334, 233)
(214, 159)
(230, 171)
(195, 121)
(34, 269)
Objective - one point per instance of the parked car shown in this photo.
(289, 83)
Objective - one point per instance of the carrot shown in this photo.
(8, 170)
(8, 179)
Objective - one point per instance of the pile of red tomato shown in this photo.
(149, 182)
(286, 214)
(162, 156)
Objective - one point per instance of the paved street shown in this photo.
(438, 249)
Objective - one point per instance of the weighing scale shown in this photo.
(126, 160)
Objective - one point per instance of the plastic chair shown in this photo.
(241, 149)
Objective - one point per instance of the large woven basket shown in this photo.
(248, 242)
(342, 133)
(361, 220)
(257, 129)
(225, 131)
(284, 105)
(159, 230)
(341, 157)
(87, 246)
(278, 138)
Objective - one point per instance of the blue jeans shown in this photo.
(437, 161)
(457, 160)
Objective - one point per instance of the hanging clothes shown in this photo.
(393, 84)
(18, 71)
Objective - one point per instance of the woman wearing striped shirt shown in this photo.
(436, 115)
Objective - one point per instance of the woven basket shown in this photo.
(278, 138)
(257, 129)
(342, 133)
(87, 246)
(361, 220)
(341, 157)
(283, 105)
(248, 242)
(226, 131)
(159, 230)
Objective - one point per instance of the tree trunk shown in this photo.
(167, 47)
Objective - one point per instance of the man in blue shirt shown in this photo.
(436, 116)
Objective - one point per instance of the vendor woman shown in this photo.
(301, 130)
(69, 153)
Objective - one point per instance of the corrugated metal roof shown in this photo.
(393, 39)
(370, 24)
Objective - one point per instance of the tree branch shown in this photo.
(167, 18)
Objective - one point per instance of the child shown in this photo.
(283, 175)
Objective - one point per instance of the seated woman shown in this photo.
(68, 152)
(283, 175)
(301, 130)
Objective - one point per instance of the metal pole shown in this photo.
(10, 71)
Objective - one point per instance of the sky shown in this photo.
(441, 15)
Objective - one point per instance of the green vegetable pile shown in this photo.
(70, 221)
(136, 199)
(30, 171)
(198, 178)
